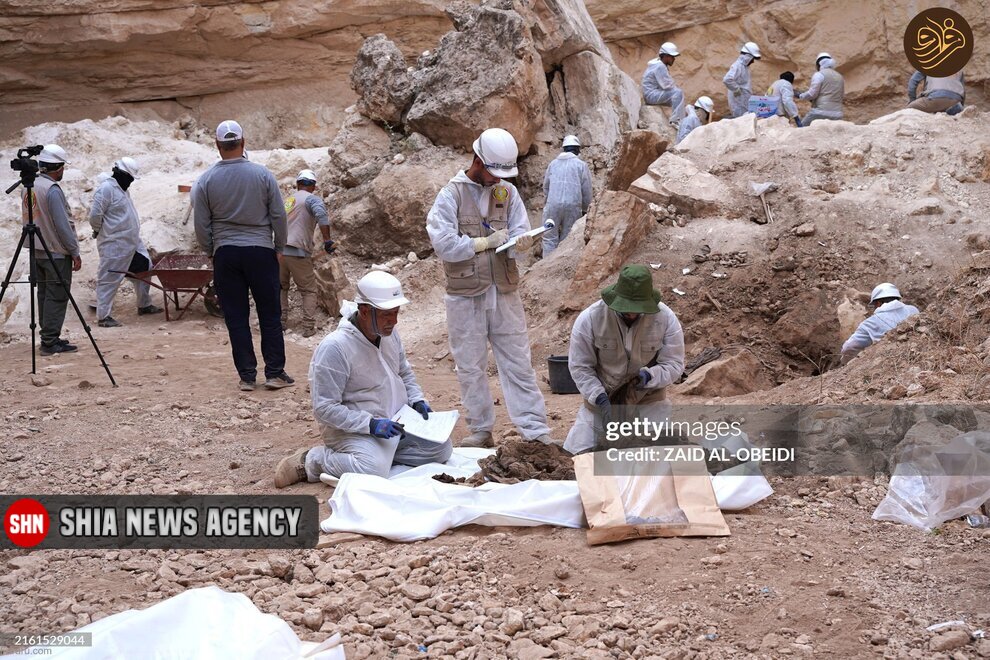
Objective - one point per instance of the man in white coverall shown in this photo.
(474, 214)
(360, 378)
(738, 81)
(117, 230)
(782, 89)
(691, 119)
(659, 87)
(567, 186)
(888, 312)
(826, 92)
(625, 350)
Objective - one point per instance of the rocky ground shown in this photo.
(806, 571)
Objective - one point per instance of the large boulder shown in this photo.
(381, 80)
(616, 225)
(358, 152)
(635, 153)
(387, 217)
(673, 179)
(602, 101)
(719, 137)
(485, 73)
(738, 374)
(562, 28)
(810, 330)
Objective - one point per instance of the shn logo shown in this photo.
(938, 42)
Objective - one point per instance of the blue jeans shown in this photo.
(238, 271)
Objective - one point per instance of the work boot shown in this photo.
(60, 346)
(545, 439)
(291, 469)
(279, 381)
(150, 309)
(480, 439)
(246, 386)
(109, 322)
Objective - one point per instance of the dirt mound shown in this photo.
(520, 461)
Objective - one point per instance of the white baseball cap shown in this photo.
(229, 130)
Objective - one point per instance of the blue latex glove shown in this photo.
(423, 408)
(605, 408)
(328, 246)
(644, 378)
(384, 428)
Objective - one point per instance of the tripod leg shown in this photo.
(25, 233)
(79, 314)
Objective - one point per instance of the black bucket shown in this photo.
(560, 376)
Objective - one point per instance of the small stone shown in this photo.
(914, 563)
(721, 549)
(415, 591)
(711, 561)
(85, 385)
(915, 389)
(836, 592)
(412, 257)
(313, 618)
(40, 381)
(549, 603)
(561, 573)
(665, 625)
(807, 229)
(547, 634)
(786, 533)
(895, 392)
(513, 623)
(379, 619)
(234, 465)
(159, 356)
(950, 640)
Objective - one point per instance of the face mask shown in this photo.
(123, 178)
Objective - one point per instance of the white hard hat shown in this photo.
(498, 152)
(885, 290)
(821, 56)
(668, 48)
(308, 175)
(127, 164)
(750, 48)
(52, 153)
(380, 290)
(705, 104)
(571, 141)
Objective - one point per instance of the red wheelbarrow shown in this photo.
(182, 273)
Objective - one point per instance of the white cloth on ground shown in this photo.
(567, 186)
(116, 219)
(410, 505)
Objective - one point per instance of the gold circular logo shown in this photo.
(938, 42)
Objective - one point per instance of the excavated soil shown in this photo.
(517, 461)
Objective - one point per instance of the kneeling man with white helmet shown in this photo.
(360, 378)
(888, 312)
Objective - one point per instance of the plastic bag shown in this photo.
(935, 484)
(757, 189)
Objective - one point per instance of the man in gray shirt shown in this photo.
(240, 222)
(50, 212)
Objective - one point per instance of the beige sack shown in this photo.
(648, 499)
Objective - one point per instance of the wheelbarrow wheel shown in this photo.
(212, 302)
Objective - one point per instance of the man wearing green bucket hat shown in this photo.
(625, 350)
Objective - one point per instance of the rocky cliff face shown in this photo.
(282, 67)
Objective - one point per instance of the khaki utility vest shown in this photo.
(301, 223)
(43, 217)
(832, 91)
(474, 276)
(952, 84)
(615, 367)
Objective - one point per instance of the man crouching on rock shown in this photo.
(625, 350)
(360, 379)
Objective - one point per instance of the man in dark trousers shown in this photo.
(240, 221)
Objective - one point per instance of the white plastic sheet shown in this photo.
(739, 487)
(936, 484)
(206, 624)
(411, 506)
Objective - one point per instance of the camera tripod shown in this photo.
(31, 234)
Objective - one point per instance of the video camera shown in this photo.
(24, 161)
